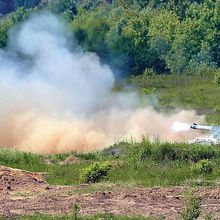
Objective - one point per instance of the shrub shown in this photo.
(95, 172)
(217, 77)
(198, 152)
(86, 156)
(208, 216)
(191, 211)
(203, 166)
(145, 153)
(166, 151)
(75, 210)
(176, 151)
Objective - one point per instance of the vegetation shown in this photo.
(203, 166)
(198, 92)
(166, 48)
(145, 163)
(95, 172)
(191, 210)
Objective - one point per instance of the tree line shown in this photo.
(136, 36)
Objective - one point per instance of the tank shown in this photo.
(213, 138)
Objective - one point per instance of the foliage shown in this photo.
(208, 216)
(90, 5)
(159, 39)
(178, 151)
(6, 24)
(171, 36)
(217, 77)
(186, 45)
(185, 92)
(144, 163)
(65, 7)
(162, 32)
(75, 210)
(20, 15)
(192, 209)
(4, 29)
(154, 37)
(95, 172)
(203, 166)
(122, 38)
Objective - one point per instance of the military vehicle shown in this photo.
(213, 138)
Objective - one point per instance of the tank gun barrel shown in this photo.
(204, 127)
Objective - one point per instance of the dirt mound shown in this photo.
(12, 179)
(70, 160)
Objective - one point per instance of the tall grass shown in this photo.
(144, 163)
(197, 92)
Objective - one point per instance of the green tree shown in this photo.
(90, 29)
(130, 3)
(196, 39)
(162, 32)
(4, 28)
(189, 44)
(7, 23)
(21, 14)
(91, 4)
(68, 8)
(118, 35)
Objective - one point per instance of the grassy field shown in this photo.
(145, 163)
(197, 92)
(139, 164)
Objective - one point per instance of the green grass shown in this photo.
(22, 160)
(192, 209)
(145, 163)
(198, 92)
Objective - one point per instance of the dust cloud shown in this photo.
(56, 98)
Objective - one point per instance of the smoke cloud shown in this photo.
(180, 126)
(55, 98)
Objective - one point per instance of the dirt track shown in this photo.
(25, 193)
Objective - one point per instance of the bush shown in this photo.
(203, 166)
(217, 78)
(196, 152)
(176, 151)
(191, 211)
(145, 153)
(166, 151)
(95, 172)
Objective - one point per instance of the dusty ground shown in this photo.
(26, 193)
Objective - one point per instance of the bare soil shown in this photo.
(26, 193)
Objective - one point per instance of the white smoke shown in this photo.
(180, 126)
(55, 98)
